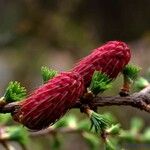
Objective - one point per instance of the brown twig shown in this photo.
(140, 100)
(9, 108)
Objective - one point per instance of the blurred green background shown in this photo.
(57, 33)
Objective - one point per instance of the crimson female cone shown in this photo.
(50, 101)
(109, 59)
(53, 99)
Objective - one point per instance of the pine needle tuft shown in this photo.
(14, 92)
(100, 82)
(47, 73)
(131, 72)
(99, 122)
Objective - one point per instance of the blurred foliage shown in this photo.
(53, 32)
(116, 136)
(73, 24)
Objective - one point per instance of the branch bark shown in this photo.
(140, 100)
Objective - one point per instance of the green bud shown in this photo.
(14, 92)
(47, 73)
(99, 122)
(131, 72)
(99, 83)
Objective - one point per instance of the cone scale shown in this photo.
(52, 100)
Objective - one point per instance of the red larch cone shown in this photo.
(53, 99)
(50, 101)
(109, 59)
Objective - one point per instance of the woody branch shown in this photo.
(140, 100)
